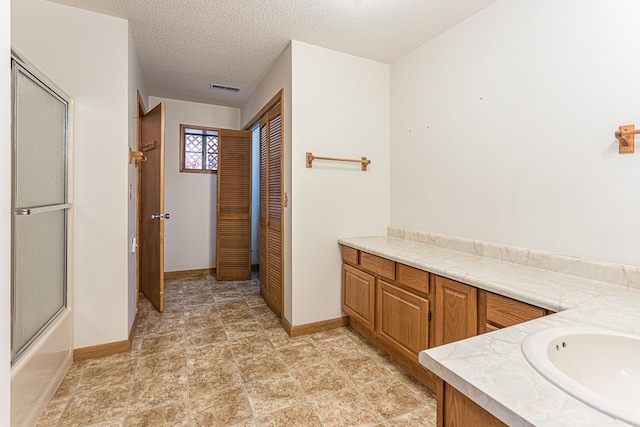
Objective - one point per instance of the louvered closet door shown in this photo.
(274, 210)
(263, 209)
(233, 252)
(271, 232)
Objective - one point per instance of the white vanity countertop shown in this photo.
(490, 368)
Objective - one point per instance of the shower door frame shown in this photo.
(30, 71)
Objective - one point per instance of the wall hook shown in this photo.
(137, 156)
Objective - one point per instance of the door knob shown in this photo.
(161, 217)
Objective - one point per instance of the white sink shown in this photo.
(596, 366)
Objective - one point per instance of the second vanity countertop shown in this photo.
(490, 368)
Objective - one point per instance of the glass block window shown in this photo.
(198, 149)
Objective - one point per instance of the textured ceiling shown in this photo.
(185, 45)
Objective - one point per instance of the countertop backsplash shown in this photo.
(617, 274)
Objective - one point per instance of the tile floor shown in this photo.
(218, 356)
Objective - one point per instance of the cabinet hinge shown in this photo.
(429, 316)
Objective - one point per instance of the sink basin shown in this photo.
(596, 366)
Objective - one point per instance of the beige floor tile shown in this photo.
(279, 338)
(93, 407)
(152, 366)
(203, 337)
(165, 326)
(208, 355)
(320, 379)
(338, 348)
(176, 414)
(252, 345)
(297, 415)
(202, 321)
(390, 398)
(260, 367)
(424, 417)
(52, 413)
(162, 343)
(271, 395)
(237, 316)
(219, 356)
(330, 334)
(97, 376)
(158, 391)
(222, 409)
(360, 369)
(297, 356)
(214, 379)
(242, 330)
(345, 408)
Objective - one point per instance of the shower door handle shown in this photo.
(40, 209)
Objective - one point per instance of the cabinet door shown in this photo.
(403, 319)
(358, 295)
(459, 410)
(456, 313)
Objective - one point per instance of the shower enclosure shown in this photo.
(41, 325)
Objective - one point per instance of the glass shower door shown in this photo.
(40, 205)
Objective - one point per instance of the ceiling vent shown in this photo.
(224, 87)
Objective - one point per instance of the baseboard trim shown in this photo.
(101, 350)
(188, 273)
(310, 328)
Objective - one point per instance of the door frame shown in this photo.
(140, 111)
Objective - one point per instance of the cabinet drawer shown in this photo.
(381, 266)
(413, 278)
(503, 311)
(350, 255)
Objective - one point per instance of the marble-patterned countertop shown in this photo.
(490, 368)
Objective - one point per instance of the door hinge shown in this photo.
(429, 316)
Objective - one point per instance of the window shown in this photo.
(198, 149)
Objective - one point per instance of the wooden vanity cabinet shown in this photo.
(388, 303)
(456, 311)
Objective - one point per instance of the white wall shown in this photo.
(341, 109)
(136, 84)
(190, 198)
(5, 214)
(86, 54)
(502, 129)
(277, 78)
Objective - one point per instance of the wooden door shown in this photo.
(402, 319)
(151, 232)
(271, 229)
(233, 241)
(456, 311)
